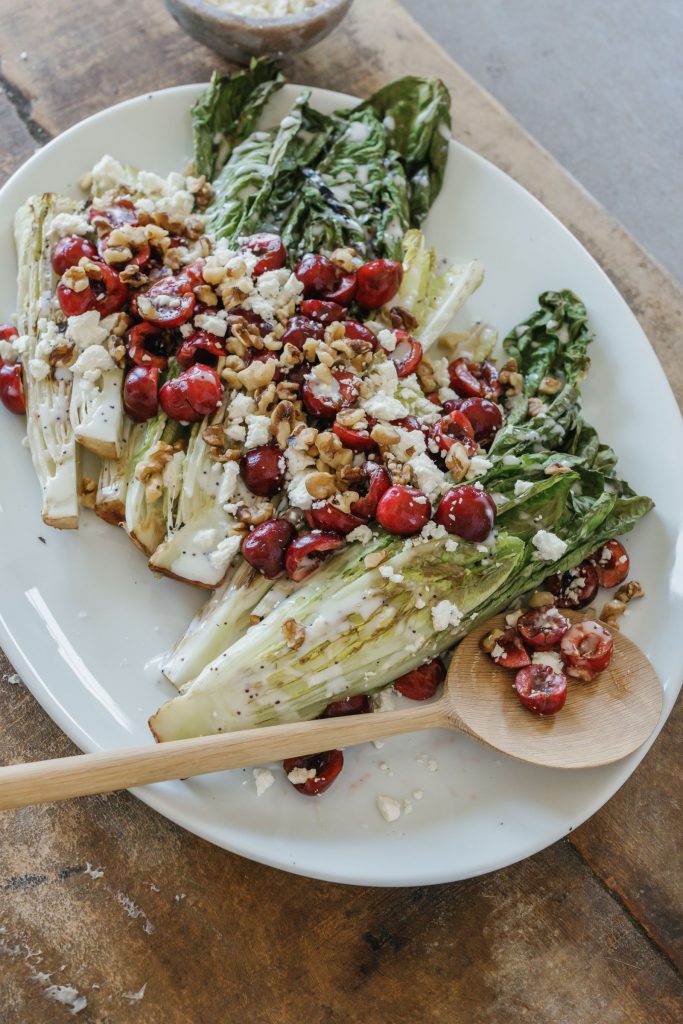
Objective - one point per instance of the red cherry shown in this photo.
(12, 388)
(407, 355)
(326, 767)
(468, 512)
(167, 303)
(540, 690)
(142, 341)
(317, 274)
(299, 329)
(192, 395)
(433, 397)
(379, 482)
(513, 654)
(121, 212)
(451, 428)
(403, 510)
(324, 516)
(326, 400)
(356, 440)
(106, 293)
(359, 332)
(542, 628)
(189, 278)
(7, 332)
(485, 417)
(359, 705)
(423, 682)
(270, 250)
(264, 548)
(344, 289)
(611, 563)
(140, 393)
(305, 553)
(297, 374)
(68, 251)
(574, 588)
(252, 318)
(378, 282)
(474, 380)
(200, 347)
(324, 312)
(413, 423)
(586, 649)
(263, 470)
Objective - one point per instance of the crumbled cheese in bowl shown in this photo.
(548, 545)
(264, 8)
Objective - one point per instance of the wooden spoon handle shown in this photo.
(64, 777)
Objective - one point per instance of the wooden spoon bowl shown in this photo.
(601, 722)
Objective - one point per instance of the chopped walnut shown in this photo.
(112, 255)
(534, 407)
(541, 599)
(291, 355)
(331, 450)
(214, 435)
(384, 435)
(352, 418)
(617, 606)
(346, 258)
(254, 515)
(133, 276)
(321, 485)
(257, 374)
(264, 398)
(206, 295)
(304, 438)
(287, 390)
(425, 375)
(294, 633)
(283, 419)
(629, 591)
(550, 386)
(489, 641)
(351, 475)
(76, 279)
(557, 469)
(457, 461)
(402, 319)
(149, 471)
(63, 355)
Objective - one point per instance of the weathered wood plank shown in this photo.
(215, 937)
(17, 144)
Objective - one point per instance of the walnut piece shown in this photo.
(294, 633)
(321, 485)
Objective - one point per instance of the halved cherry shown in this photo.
(542, 628)
(325, 516)
(423, 682)
(467, 511)
(305, 554)
(378, 282)
(270, 251)
(122, 211)
(343, 289)
(68, 251)
(540, 690)
(586, 649)
(105, 292)
(403, 510)
(192, 395)
(146, 346)
(264, 548)
(359, 332)
(407, 355)
(474, 380)
(298, 374)
(356, 440)
(7, 332)
(188, 278)
(574, 588)
(413, 423)
(379, 482)
(611, 563)
(300, 328)
(452, 427)
(359, 705)
(141, 393)
(509, 651)
(484, 415)
(317, 274)
(433, 397)
(263, 470)
(166, 303)
(326, 767)
(12, 388)
(326, 400)
(322, 311)
(200, 347)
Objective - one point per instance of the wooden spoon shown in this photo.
(601, 722)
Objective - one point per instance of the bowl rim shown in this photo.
(215, 12)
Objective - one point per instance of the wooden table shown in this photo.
(175, 930)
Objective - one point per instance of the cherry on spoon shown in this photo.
(602, 721)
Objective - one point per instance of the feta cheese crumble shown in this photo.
(521, 487)
(389, 808)
(550, 658)
(263, 780)
(445, 614)
(549, 546)
(298, 776)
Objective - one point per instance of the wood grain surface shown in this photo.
(176, 931)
